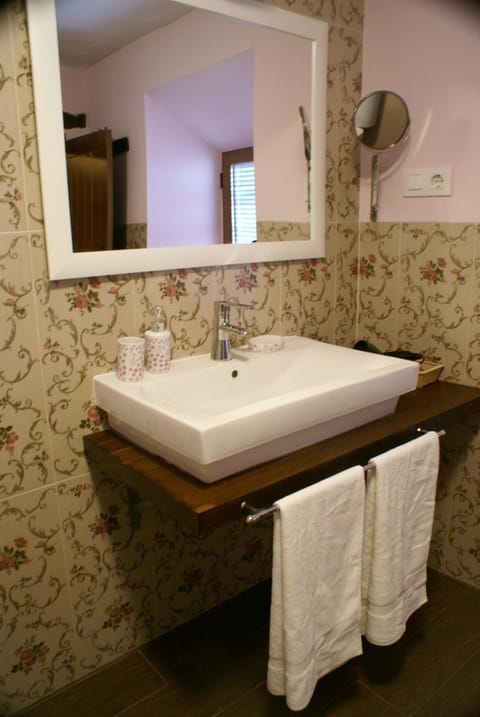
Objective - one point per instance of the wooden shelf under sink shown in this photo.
(202, 506)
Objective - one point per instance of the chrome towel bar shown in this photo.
(256, 514)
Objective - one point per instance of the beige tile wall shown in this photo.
(82, 580)
(418, 288)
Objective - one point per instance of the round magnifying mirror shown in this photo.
(381, 120)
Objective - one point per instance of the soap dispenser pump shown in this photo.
(158, 343)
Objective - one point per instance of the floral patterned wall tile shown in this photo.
(454, 448)
(423, 296)
(307, 298)
(135, 572)
(283, 231)
(13, 211)
(461, 557)
(344, 73)
(35, 630)
(330, 170)
(109, 569)
(378, 271)
(193, 573)
(256, 285)
(346, 300)
(436, 275)
(24, 448)
(187, 299)
(79, 323)
(26, 115)
(322, 9)
(350, 14)
(472, 359)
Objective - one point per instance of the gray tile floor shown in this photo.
(215, 667)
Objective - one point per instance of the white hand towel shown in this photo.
(316, 584)
(399, 507)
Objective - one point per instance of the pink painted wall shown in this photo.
(428, 51)
(282, 84)
(183, 196)
(189, 123)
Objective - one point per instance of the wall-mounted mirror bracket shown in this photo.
(380, 122)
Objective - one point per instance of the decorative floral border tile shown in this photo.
(282, 231)
(136, 236)
(35, 630)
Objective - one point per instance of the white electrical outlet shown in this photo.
(432, 182)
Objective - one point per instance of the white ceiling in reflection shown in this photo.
(92, 29)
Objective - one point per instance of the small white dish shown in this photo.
(266, 344)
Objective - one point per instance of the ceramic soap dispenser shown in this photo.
(158, 343)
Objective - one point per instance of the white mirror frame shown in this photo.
(63, 263)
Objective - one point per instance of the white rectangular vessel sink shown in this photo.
(215, 418)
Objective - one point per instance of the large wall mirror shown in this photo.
(191, 84)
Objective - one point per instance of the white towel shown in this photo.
(316, 584)
(399, 507)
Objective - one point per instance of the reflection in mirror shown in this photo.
(157, 125)
(179, 116)
(380, 122)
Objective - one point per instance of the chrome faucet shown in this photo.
(223, 328)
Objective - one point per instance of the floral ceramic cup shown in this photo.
(131, 358)
(157, 347)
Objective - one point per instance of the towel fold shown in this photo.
(399, 507)
(316, 584)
